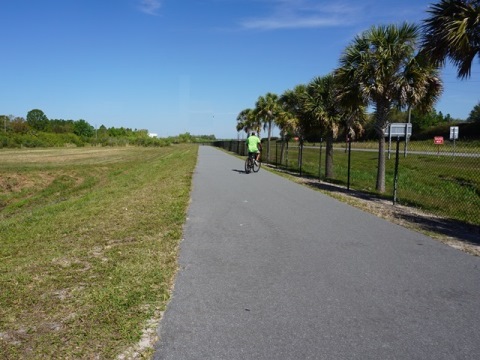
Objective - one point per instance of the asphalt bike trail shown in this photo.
(270, 269)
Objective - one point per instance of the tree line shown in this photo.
(37, 130)
(393, 69)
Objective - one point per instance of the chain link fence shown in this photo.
(443, 179)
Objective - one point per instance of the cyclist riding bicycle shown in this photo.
(254, 145)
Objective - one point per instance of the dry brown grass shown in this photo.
(91, 155)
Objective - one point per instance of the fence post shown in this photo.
(276, 153)
(349, 162)
(300, 158)
(286, 157)
(395, 175)
(320, 160)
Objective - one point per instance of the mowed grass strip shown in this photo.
(88, 246)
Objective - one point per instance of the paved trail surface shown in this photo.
(273, 270)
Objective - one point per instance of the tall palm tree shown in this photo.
(353, 115)
(267, 109)
(332, 113)
(375, 68)
(320, 103)
(287, 120)
(292, 101)
(289, 115)
(453, 31)
(246, 121)
(422, 84)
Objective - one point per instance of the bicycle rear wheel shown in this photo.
(248, 166)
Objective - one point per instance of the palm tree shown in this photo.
(246, 121)
(453, 31)
(375, 68)
(292, 101)
(332, 112)
(422, 86)
(287, 120)
(353, 115)
(320, 103)
(267, 109)
(291, 119)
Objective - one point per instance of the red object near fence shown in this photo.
(438, 140)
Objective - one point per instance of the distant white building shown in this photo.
(152, 135)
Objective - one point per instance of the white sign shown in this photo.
(399, 130)
(453, 132)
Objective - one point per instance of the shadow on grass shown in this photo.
(456, 229)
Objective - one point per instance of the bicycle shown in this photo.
(251, 164)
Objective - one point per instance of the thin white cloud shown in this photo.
(274, 23)
(150, 7)
(291, 14)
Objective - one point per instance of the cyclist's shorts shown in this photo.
(252, 154)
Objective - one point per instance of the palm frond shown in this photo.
(453, 31)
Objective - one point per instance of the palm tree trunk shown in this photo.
(329, 157)
(380, 124)
(268, 140)
(282, 151)
(380, 186)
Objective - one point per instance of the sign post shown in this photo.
(453, 136)
(399, 130)
(438, 140)
(395, 177)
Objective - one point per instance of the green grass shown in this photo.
(445, 185)
(423, 145)
(88, 246)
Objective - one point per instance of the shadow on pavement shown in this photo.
(448, 227)
(460, 231)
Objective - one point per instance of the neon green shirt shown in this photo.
(252, 143)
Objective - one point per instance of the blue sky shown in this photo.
(172, 66)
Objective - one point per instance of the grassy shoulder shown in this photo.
(88, 246)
